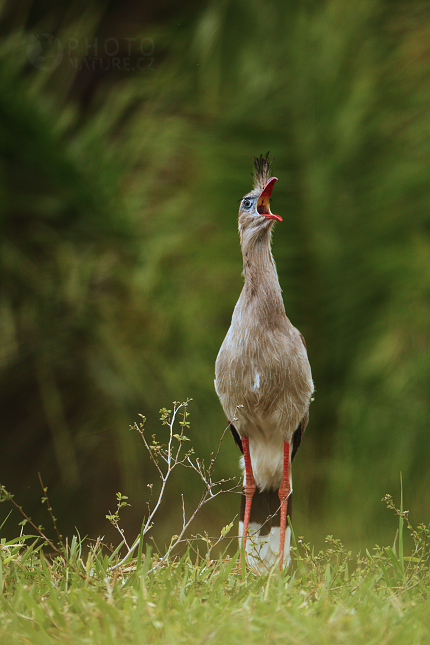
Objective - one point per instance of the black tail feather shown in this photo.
(265, 509)
(236, 437)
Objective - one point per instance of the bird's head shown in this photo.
(254, 210)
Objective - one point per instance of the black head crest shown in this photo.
(261, 174)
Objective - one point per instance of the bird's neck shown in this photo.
(259, 270)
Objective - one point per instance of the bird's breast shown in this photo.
(263, 381)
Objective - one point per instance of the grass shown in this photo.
(328, 597)
(86, 592)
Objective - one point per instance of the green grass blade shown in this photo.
(394, 560)
(401, 520)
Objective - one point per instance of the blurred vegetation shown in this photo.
(120, 261)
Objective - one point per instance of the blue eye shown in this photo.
(247, 203)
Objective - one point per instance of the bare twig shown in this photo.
(172, 457)
(6, 496)
(114, 517)
(51, 512)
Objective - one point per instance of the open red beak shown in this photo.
(263, 201)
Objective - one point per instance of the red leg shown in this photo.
(249, 488)
(284, 492)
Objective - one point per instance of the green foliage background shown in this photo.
(120, 261)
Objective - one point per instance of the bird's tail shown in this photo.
(262, 545)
